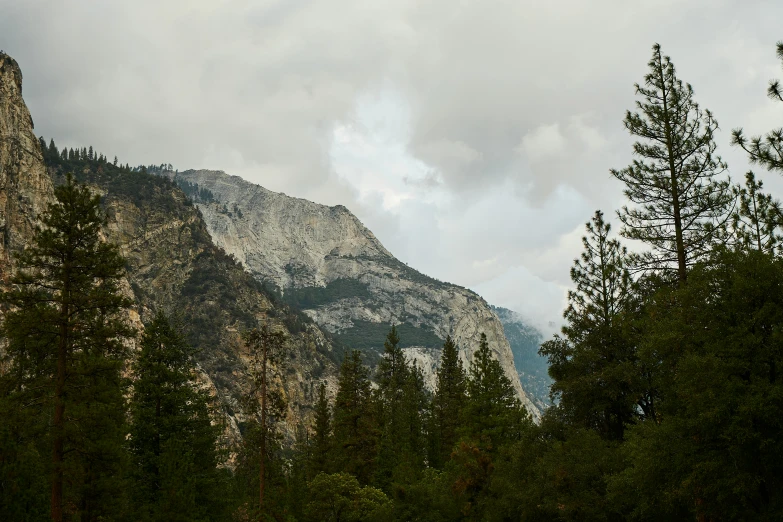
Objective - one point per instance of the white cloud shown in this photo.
(459, 131)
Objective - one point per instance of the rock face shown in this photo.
(25, 187)
(325, 261)
(525, 340)
(172, 264)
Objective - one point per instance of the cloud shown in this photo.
(459, 131)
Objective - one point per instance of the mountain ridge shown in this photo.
(296, 244)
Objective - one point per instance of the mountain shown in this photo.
(324, 261)
(172, 262)
(25, 187)
(525, 340)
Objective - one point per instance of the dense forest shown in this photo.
(667, 402)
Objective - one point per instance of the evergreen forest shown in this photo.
(666, 397)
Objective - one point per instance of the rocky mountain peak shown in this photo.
(25, 187)
(324, 261)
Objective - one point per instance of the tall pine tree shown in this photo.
(757, 223)
(447, 404)
(66, 336)
(493, 415)
(266, 345)
(175, 445)
(321, 440)
(355, 429)
(592, 364)
(680, 200)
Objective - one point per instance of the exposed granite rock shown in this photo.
(25, 187)
(294, 243)
(525, 340)
(172, 264)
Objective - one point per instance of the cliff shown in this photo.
(325, 261)
(25, 187)
(172, 263)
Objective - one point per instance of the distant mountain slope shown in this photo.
(324, 260)
(525, 340)
(172, 263)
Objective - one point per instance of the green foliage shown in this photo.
(320, 450)
(493, 415)
(339, 498)
(679, 200)
(594, 363)
(175, 445)
(757, 223)
(717, 452)
(65, 347)
(366, 335)
(532, 367)
(194, 192)
(448, 402)
(400, 401)
(355, 428)
(766, 151)
(315, 296)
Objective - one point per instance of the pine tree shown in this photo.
(266, 346)
(680, 200)
(172, 438)
(399, 412)
(766, 151)
(593, 363)
(320, 444)
(493, 415)
(758, 221)
(447, 404)
(355, 430)
(90, 154)
(66, 341)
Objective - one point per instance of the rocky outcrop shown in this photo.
(25, 187)
(172, 264)
(326, 261)
(525, 340)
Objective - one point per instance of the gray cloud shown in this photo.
(476, 136)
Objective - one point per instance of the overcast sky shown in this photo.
(474, 138)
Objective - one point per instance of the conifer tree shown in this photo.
(266, 347)
(766, 151)
(447, 404)
(593, 363)
(355, 430)
(757, 222)
(399, 412)
(66, 341)
(172, 438)
(493, 415)
(680, 202)
(320, 444)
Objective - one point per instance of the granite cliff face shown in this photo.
(172, 264)
(525, 340)
(326, 262)
(25, 187)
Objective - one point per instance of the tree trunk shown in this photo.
(59, 414)
(262, 467)
(680, 244)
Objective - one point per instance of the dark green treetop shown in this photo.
(674, 182)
